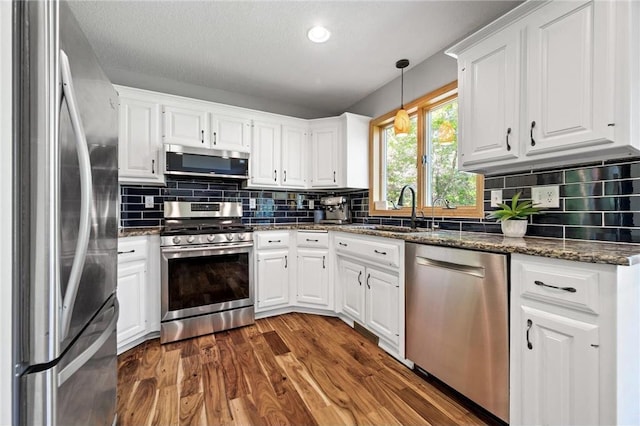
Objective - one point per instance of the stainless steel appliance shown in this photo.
(66, 145)
(457, 321)
(206, 270)
(336, 210)
(203, 162)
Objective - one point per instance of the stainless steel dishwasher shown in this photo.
(457, 324)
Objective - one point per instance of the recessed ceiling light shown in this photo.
(318, 34)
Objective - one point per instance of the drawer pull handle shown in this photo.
(342, 244)
(128, 251)
(202, 137)
(533, 141)
(384, 253)
(275, 241)
(323, 266)
(569, 289)
(508, 133)
(368, 286)
(286, 262)
(285, 175)
(153, 167)
(529, 325)
(312, 241)
(360, 277)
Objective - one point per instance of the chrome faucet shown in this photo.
(413, 203)
(447, 205)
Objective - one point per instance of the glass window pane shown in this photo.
(443, 179)
(399, 156)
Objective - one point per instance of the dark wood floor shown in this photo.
(293, 369)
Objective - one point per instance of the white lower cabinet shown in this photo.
(312, 278)
(138, 289)
(371, 289)
(273, 265)
(574, 342)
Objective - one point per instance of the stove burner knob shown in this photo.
(241, 237)
(211, 237)
(191, 239)
(230, 237)
(176, 240)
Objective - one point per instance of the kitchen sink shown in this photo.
(391, 228)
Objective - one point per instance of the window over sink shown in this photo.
(425, 158)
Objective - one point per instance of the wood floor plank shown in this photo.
(167, 411)
(296, 369)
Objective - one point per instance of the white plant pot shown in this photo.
(514, 228)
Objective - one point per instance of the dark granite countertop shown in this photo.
(581, 251)
(138, 232)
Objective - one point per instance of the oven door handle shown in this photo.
(187, 249)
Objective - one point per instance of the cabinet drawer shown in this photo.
(572, 287)
(376, 251)
(272, 240)
(130, 249)
(312, 239)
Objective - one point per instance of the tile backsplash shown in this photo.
(598, 201)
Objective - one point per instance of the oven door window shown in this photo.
(207, 280)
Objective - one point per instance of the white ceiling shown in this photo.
(259, 48)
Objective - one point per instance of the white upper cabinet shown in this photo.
(339, 152)
(230, 133)
(265, 154)
(562, 75)
(293, 156)
(139, 140)
(184, 125)
(489, 97)
(570, 76)
(325, 141)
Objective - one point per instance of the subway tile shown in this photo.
(193, 185)
(544, 231)
(621, 171)
(534, 179)
(494, 182)
(621, 219)
(603, 204)
(581, 190)
(449, 226)
(130, 215)
(570, 218)
(622, 187)
(174, 192)
(481, 227)
(153, 215)
(141, 191)
(140, 223)
(131, 199)
(620, 235)
(507, 194)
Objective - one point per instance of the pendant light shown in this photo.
(401, 124)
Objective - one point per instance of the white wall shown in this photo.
(5, 214)
(430, 74)
(164, 85)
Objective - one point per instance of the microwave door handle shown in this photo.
(86, 196)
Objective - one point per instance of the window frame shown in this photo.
(419, 107)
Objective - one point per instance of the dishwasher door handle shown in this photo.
(476, 271)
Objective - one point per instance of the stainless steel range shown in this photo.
(206, 270)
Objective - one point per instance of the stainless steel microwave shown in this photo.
(190, 161)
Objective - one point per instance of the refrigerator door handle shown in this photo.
(88, 353)
(86, 196)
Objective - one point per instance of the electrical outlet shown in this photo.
(252, 203)
(148, 201)
(311, 204)
(496, 197)
(546, 196)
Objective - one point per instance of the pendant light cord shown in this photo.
(401, 88)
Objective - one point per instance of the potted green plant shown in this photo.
(513, 219)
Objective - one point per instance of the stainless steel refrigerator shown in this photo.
(66, 138)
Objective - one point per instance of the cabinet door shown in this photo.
(570, 76)
(186, 126)
(132, 277)
(272, 280)
(294, 145)
(313, 278)
(382, 304)
(139, 143)
(265, 154)
(352, 285)
(231, 133)
(489, 99)
(325, 156)
(559, 373)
